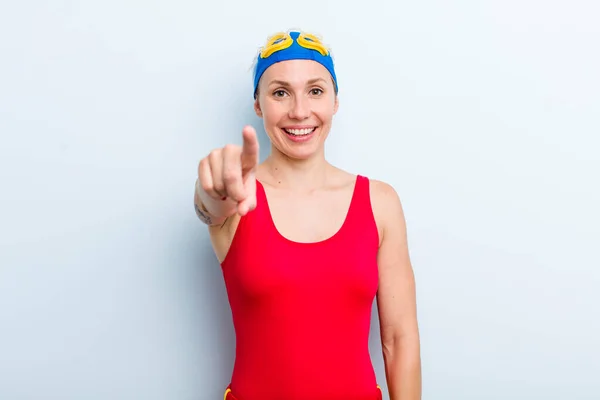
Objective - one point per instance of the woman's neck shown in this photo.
(307, 174)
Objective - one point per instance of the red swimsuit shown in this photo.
(302, 311)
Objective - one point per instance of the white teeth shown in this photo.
(300, 132)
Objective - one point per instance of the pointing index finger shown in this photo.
(250, 147)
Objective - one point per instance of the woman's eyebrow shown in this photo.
(284, 83)
(279, 83)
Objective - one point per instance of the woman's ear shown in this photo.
(257, 109)
(336, 105)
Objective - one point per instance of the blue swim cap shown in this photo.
(293, 46)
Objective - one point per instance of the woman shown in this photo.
(305, 247)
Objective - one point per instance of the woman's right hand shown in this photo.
(227, 181)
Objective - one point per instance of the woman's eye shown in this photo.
(279, 93)
(316, 92)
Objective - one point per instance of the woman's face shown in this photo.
(297, 101)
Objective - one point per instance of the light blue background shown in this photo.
(483, 114)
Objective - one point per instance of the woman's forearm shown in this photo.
(403, 369)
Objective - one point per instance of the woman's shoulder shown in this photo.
(382, 193)
(385, 203)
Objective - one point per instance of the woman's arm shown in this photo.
(396, 298)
